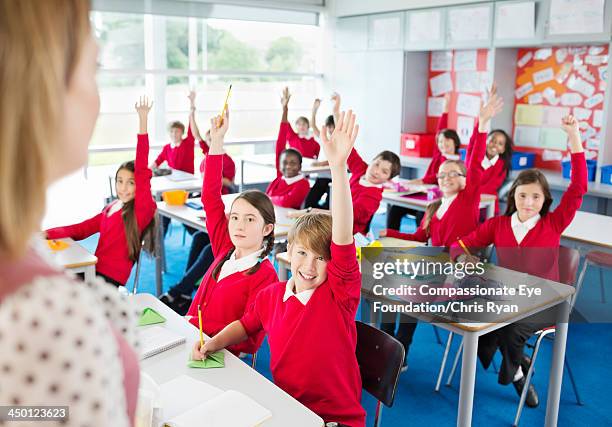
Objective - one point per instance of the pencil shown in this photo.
(465, 249)
(200, 322)
(225, 103)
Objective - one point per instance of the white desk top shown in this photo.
(395, 198)
(590, 228)
(74, 256)
(196, 218)
(269, 160)
(181, 181)
(237, 375)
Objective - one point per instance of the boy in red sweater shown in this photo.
(527, 239)
(125, 222)
(310, 319)
(301, 141)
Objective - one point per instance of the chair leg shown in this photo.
(449, 341)
(579, 282)
(601, 285)
(184, 234)
(449, 380)
(438, 340)
(573, 382)
(378, 414)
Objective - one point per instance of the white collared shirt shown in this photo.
(446, 202)
(452, 156)
(302, 297)
(115, 207)
(487, 163)
(233, 265)
(363, 181)
(520, 229)
(294, 179)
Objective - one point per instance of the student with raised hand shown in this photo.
(63, 343)
(310, 319)
(126, 222)
(300, 140)
(448, 144)
(527, 239)
(240, 243)
(455, 214)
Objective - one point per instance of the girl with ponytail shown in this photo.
(240, 243)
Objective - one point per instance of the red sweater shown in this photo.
(181, 157)
(537, 253)
(309, 147)
(112, 250)
(312, 347)
(366, 200)
(281, 193)
(226, 300)
(228, 170)
(462, 214)
(438, 158)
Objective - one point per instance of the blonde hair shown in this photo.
(40, 44)
(314, 232)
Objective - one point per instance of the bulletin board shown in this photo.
(466, 75)
(550, 83)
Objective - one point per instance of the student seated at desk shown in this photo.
(126, 222)
(240, 244)
(527, 239)
(302, 141)
(455, 214)
(310, 319)
(448, 143)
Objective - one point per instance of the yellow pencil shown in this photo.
(465, 249)
(200, 322)
(225, 103)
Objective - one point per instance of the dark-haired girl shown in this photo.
(240, 245)
(526, 239)
(127, 221)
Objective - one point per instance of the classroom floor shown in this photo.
(416, 402)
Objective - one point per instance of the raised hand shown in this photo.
(491, 108)
(142, 108)
(218, 129)
(192, 96)
(285, 97)
(570, 125)
(338, 146)
(316, 104)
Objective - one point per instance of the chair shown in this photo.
(599, 259)
(380, 358)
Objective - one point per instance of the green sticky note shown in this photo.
(213, 360)
(150, 317)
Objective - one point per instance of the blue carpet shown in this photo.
(416, 402)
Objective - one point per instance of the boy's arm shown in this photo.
(313, 117)
(336, 109)
(233, 333)
(192, 122)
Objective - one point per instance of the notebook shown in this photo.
(156, 339)
(203, 405)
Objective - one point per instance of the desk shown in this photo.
(197, 219)
(237, 375)
(269, 160)
(74, 258)
(182, 181)
(592, 229)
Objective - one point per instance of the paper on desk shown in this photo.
(441, 84)
(150, 317)
(213, 360)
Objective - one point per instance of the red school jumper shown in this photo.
(281, 193)
(181, 157)
(462, 215)
(112, 249)
(309, 147)
(312, 346)
(537, 253)
(438, 158)
(228, 170)
(226, 300)
(366, 200)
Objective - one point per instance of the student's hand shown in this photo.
(315, 105)
(142, 108)
(218, 129)
(570, 125)
(490, 109)
(285, 97)
(338, 147)
(192, 96)
(383, 233)
(200, 353)
(465, 258)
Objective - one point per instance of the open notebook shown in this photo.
(157, 339)
(187, 402)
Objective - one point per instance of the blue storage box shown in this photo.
(591, 169)
(606, 174)
(521, 160)
(462, 153)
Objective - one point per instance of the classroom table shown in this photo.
(236, 375)
(590, 229)
(74, 258)
(178, 180)
(269, 160)
(197, 219)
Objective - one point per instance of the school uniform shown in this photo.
(366, 196)
(180, 156)
(312, 338)
(112, 250)
(225, 298)
(308, 147)
(457, 215)
(228, 170)
(530, 247)
(287, 192)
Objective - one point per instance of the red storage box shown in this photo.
(417, 144)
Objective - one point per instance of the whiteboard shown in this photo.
(576, 17)
(469, 23)
(515, 21)
(425, 26)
